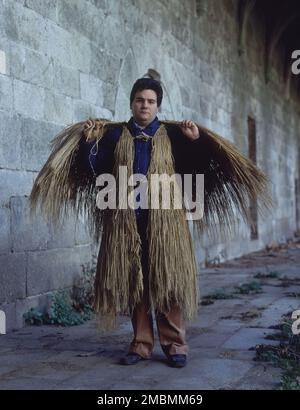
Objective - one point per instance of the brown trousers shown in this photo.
(170, 325)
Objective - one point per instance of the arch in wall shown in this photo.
(129, 72)
(128, 75)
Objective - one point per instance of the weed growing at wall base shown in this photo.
(68, 307)
(286, 355)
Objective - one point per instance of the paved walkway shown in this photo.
(50, 357)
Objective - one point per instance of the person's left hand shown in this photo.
(190, 130)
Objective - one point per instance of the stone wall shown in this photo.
(62, 61)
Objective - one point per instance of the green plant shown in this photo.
(217, 295)
(34, 317)
(68, 307)
(286, 355)
(249, 288)
(270, 275)
(289, 383)
(63, 312)
(221, 294)
(245, 289)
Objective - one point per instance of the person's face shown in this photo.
(144, 107)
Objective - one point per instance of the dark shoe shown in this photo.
(131, 358)
(177, 360)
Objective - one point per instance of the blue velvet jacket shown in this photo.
(185, 152)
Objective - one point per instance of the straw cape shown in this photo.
(231, 181)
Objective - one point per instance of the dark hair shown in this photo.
(147, 84)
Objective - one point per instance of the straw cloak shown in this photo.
(231, 181)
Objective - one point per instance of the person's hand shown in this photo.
(93, 127)
(88, 128)
(190, 130)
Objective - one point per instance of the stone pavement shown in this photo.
(79, 357)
